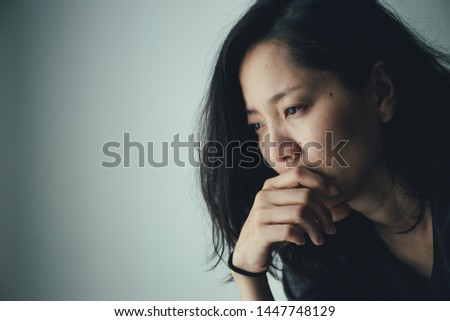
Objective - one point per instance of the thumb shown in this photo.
(340, 211)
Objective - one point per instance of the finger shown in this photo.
(301, 176)
(283, 233)
(304, 197)
(297, 215)
(340, 211)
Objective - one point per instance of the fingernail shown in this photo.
(321, 240)
(332, 229)
(333, 190)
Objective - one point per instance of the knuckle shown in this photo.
(256, 214)
(260, 197)
(260, 213)
(267, 183)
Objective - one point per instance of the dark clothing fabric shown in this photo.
(355, 264)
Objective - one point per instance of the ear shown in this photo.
(384, 91)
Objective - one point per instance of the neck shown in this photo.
(386, 203)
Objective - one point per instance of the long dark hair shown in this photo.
(346, 37)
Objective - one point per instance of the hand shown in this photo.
(287, 207)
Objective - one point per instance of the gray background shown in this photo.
(77, 74)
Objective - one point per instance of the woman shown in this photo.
(345, 105)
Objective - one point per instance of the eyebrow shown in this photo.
(277, 97)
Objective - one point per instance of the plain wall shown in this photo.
(77, 74)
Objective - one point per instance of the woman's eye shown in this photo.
(255, 126)
(292, 110)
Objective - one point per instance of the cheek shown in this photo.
(364, 135)
(362, 152)
(354, 121)
(317, 137)
(345, 138)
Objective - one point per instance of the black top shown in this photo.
(355, 264)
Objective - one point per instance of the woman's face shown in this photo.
(307, 117)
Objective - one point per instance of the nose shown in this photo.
(280, 149)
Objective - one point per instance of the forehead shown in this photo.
(265, 59)
(267, 69)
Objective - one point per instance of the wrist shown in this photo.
(238, 270)
(253, 288)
